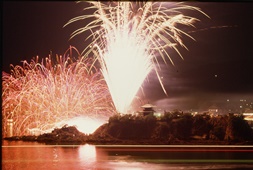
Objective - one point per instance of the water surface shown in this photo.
(36, 156)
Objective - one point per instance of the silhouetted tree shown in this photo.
(182, 126)
(238, 129)
(218, 127)
(201, 125)
(161, 131)
(131, 127)
(168, 117)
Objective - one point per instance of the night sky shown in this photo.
(217, 69)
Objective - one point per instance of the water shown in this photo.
(35, 156)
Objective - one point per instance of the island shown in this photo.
(170, 129)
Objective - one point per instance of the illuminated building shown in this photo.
(148, 109)
(248, 116)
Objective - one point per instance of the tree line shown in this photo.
(178, 125)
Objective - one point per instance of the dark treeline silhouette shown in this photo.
(176, 126)
(171, 128)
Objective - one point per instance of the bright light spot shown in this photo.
(129, 41)
(87, 154)
(125, 65)
(84, 124)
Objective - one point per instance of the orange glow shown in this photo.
(85, 125)
(38, 97)
(87, 154)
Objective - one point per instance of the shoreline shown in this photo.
(76, 141)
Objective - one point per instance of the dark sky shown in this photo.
(217, 67)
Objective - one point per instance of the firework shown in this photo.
(40, 96)
(128, 37)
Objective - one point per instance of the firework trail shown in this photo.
(42, 96)
(127, 37)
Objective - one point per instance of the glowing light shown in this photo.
(39, 97)
(87, 154)
(86, 125)
(128, 37)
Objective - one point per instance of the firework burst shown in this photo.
(128, 37)
(43, 95)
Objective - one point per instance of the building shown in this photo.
(213, 110)
(248, 116)
(148, 109)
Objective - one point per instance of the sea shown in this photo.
(19, 155)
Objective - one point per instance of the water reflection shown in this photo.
(87, 155)
(30, 156)
(55, 156)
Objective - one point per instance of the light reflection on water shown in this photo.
(35, 156)
(87, 155)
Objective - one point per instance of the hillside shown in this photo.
(172, 128)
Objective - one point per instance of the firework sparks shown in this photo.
(128, 37)
(42, 96)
